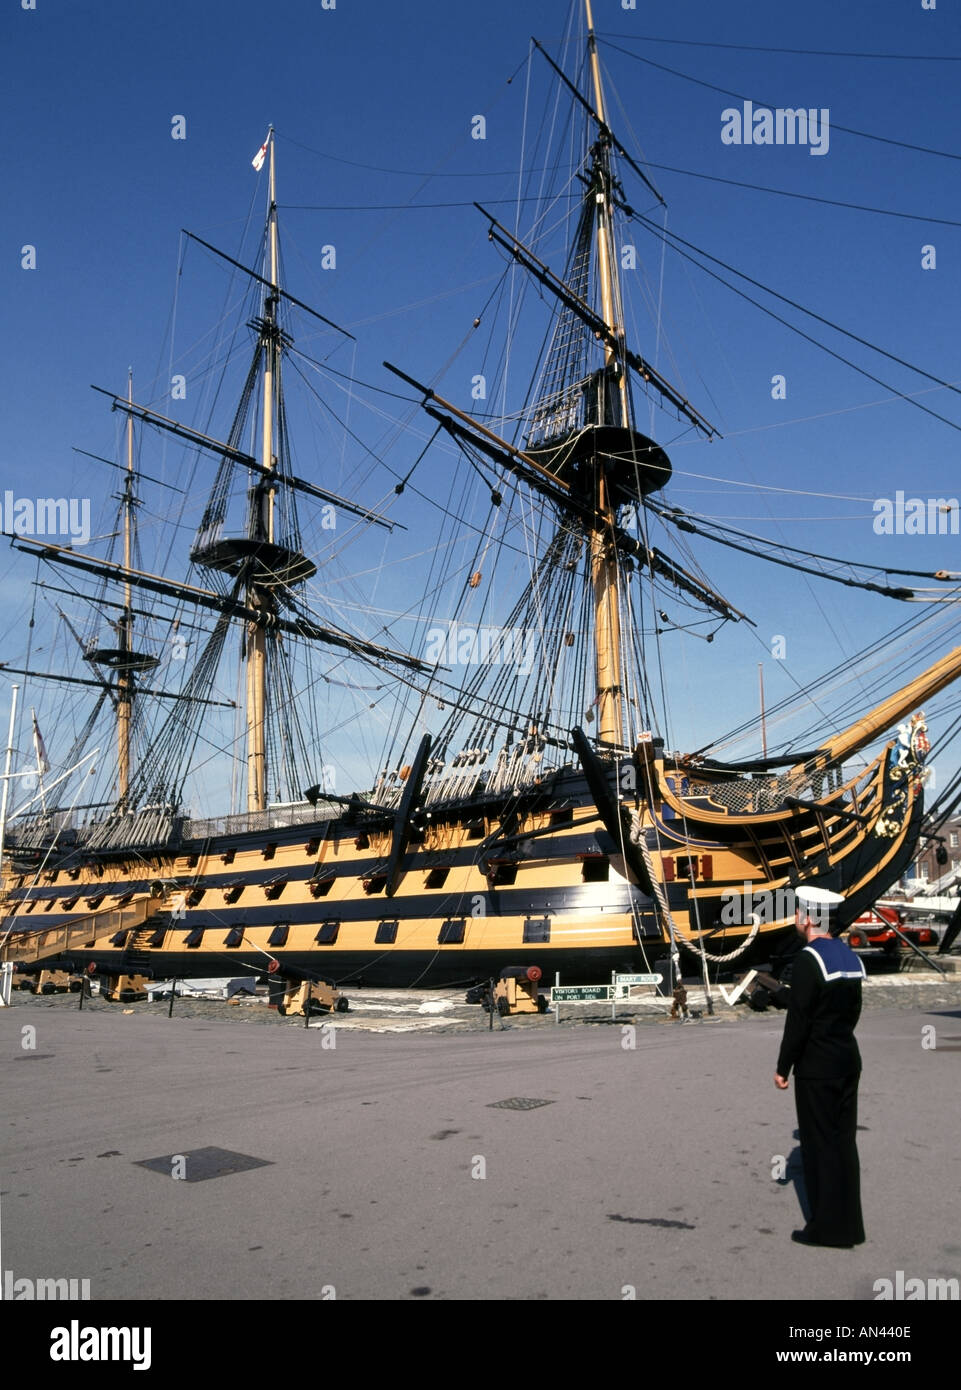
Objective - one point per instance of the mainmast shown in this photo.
(125, 680)
(579, 447)
(602, 549)
(261, 521)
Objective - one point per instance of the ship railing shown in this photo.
(32, 832)
(767, 793)
(274, 818)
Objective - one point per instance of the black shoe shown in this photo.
(806, 1238)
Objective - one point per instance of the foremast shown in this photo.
(266, 563)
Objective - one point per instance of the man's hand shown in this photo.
(781, 1082)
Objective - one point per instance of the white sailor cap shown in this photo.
(816, 902)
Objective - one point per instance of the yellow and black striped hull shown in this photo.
(559, 890)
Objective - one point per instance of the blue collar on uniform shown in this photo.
(836, 959)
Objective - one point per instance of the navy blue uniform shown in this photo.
(819, 1043)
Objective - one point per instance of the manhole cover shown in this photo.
(198, 1165)
(518, 1103)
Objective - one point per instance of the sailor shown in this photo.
(819, 1043)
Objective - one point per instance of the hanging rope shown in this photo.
(639, 839)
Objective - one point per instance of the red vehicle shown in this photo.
(872, 930)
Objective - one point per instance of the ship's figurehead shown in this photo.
(906, 770)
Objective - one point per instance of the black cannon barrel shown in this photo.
(114, 971)
(280, 970)
(521, 972)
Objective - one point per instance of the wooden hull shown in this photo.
(470, 897)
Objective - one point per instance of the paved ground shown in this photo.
(445, 1010)
(388, 1174)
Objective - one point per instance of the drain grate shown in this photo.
(518, 1103)
(202, 1164)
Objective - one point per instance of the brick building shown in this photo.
(926, 866)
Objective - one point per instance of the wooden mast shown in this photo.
(125, 674)
(262, 525)
(607, 638)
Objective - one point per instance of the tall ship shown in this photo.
(527, 809)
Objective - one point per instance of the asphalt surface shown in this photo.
(654, 1168)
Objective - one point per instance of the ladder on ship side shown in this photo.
(30, 946)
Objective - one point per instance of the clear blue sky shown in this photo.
(371, 98)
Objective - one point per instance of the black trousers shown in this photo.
(827, 1113)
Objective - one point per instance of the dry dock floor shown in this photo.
(362, 1164)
